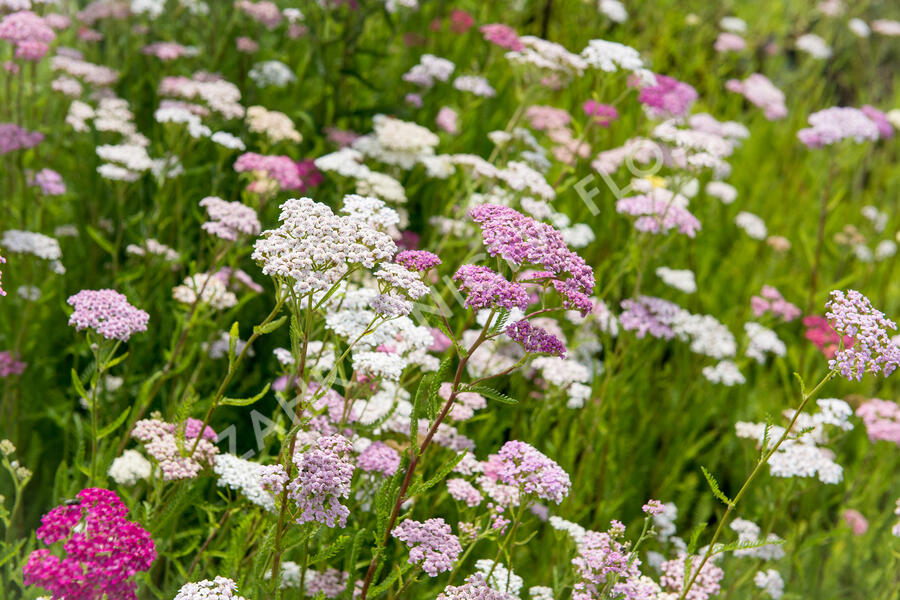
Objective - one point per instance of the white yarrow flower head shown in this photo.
(814, 45)
(611, 56)
(312, 248)
(680, 279)
(752, 225)
(271, 73)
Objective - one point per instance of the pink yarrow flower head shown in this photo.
(460, 21)
(503, 36)
(668, 97)
(417, 260)
(431, 543)
(820, 333)
(660, 211)
(761, 92)
(857, 522)
(102, 549)
(706, 585)
(310, 176)
(836, 124)
(474, 588)
(176, 447)
(28, 32)
(282, 169)
(882, 420)
(603, 114)
(13, 137)
(10, 364)
(522, 241)
(378, 457)
(729, 42)
(603, 559)
(533, 473)
(852, 314)
(229, 220)
(771, 300)
(50, 182)
(885, 129)
(653, 507)
(485, 288)
(108, 313)
(547, 118)
(646, 314)
(535, 339)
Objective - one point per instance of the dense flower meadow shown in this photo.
(449, 300)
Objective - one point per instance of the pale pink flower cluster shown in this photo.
(229, 220)
(173, 446)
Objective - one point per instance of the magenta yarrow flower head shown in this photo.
(535, 339)
(522, 241)
(108, 313)
(836, 124)
(432, 544)
(881, 418)
(171, 446)
(13, 137)
(852, 314)
(503, 36)
(668, 97)
(659, 211)
(378, 457)
(10, 364)
(229, 220)
(603, 114)
(523, 466)
(103, 549)
(485, 288)
(417, 260)
(646, 314)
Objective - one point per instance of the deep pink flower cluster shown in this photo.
(882, 419)
(601, 557)
(770, 299)
(820, 333)
(323, 478)
(378, 457)
(659, 212)
(310, 176)
(108, 313)
(603, 114)
(28, 32)
(10, 364)
(523, 466)
(460, 21)
(485, 288)
(761, 92)
(282, 169)
(705, 586)
(852, 314)
(13, 137)
(50, 182)
(835, 124)
(646, 314)
(431, 544)
(535, 339)
(503, 36)
(417, 260)
(103, 549)
(229, 220)
(668, 97)
(475, 588)
(523, 241)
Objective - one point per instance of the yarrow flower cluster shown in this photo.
(103, 549)
(205, 289)
(218, 588)
(521, 465)
(313, 248)
(852, 314)
(108, 313)
(177, 449)
(881, 418)
(323, 477)
(771, 300)
(660, 211)
(534, 339)
(431, 544)
(667, 97)
(835, 124)
(229, 220)
(485, 288)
